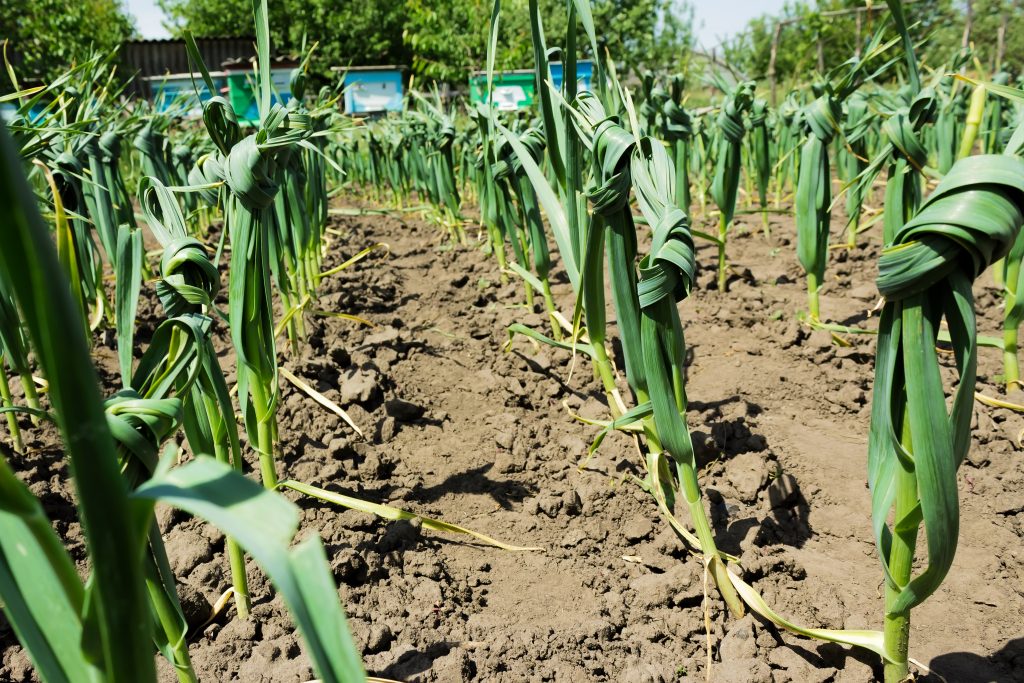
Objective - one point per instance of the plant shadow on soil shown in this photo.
(779, 418)
(969, 667)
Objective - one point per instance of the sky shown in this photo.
(717, 19)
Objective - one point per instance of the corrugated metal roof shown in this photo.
(145, 41)
(149, 58)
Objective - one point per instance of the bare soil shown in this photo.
(459, 428)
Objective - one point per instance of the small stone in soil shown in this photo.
(402, 410)
(504, 439)
(388, 429)
(550, 504)
(819, 339)
(379, 639)
(385, 336)
(359, 386)
(637, 528)
(399, 535)
(747, 473)
(572, 503)
(739, 642)
(507, 463)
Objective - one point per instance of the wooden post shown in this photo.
(857, 51)
(1001, 43)
(968, 24)
(771, 60)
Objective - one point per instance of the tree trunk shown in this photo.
(968, 24)
(771, 59)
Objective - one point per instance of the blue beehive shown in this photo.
(584, 74)
(179, 90)
(373, 89)
(241, 85)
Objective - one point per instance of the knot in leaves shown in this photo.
(789, 110)
(297, 82)
(647, 111)
(190, 278)
(149, 141)
(445, 135)
(677, 123)
(294, 125)
(730, 117)
(508, 161)
(613, 145)
(901, 129)
(669, 269)
(68, 164)
(652, 97)
(730, 122)
(653, 103)
(758, 113)
(501, 169)
(503, 154)
(968, 223)
(533, 140)
(140, 425)
(221, 123)
(479, 161)
(612, 195)
(207, 170)
(856, 122)
(249, 174)
(822, 117)
(68, 174)
(110, 146)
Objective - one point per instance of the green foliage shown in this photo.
(916, 443)
(443, 41)
(349, 33)
(116, 629)
(49, 35)
(940, 21)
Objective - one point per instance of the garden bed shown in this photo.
(460, 429)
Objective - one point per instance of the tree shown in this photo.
(218, 18)
(937, 24)
(441, 40)
(654, 34)
(49, 35)
(447, 40)
(348, 33)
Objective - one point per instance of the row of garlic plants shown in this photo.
(583, 164)
(74, 266)
(216, 195)
(597, 167)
